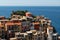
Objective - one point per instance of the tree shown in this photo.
(22, 13)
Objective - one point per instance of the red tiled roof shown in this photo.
(13, 23)
(36, 23)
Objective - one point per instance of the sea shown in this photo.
(51, 12)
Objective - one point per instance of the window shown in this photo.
(13, 27)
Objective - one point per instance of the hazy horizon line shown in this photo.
(12, 5)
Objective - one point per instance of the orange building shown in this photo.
(13, 25)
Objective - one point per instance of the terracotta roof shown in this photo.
(36, 23)
(13, 23)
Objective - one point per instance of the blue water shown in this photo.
(51, 12)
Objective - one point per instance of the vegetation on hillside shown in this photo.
(22, 13)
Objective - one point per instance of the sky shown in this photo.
(29, 2)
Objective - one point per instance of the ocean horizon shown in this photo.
(51, 12)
